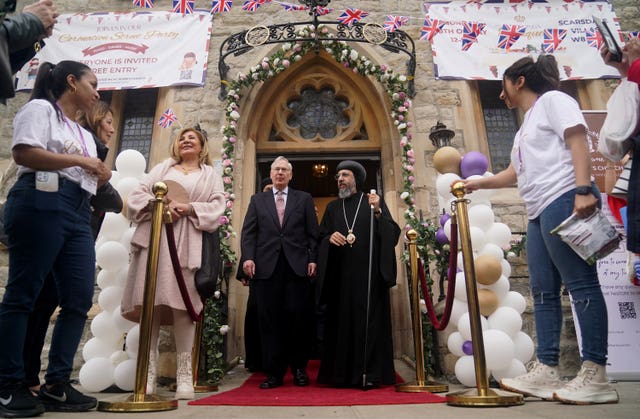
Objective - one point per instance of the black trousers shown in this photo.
(285, 313)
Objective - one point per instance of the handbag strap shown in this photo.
(177, 269)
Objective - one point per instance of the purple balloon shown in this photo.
(444, 218)
(467, 347)
(473, 163)
(441, 237)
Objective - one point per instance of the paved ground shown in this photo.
(629, 407)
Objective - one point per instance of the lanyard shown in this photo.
(66, 121)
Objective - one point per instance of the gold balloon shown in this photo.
(447, 160)
(488, 269)
(488, 301)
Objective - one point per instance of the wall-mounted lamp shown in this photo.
(440, 136)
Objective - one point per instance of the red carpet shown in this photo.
(248, 394)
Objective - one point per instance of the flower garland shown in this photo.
(269, 67)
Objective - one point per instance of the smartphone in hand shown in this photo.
(609, 39)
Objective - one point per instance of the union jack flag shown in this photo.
(632, 35)
(552, 39)
(183, 6)
(394, 22)
(167, 118)
(147, 4)
(219, 6)
(431, 28)
(509, 34)
(252, 5)
(290, 7)
(470, 32)
(321, 11)
(351, 16)
(594, 39)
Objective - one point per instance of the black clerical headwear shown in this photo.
(357, 169)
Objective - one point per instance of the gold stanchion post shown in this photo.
(195, 356)
(140, 401)
(421, 384)
(482, 395)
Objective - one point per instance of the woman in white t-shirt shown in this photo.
(551, 165)
(48, 223)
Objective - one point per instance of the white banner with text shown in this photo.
(129, 50)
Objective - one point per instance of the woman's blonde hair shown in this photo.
(97, 113)
(203, 157)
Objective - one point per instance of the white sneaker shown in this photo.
(541, 381)
(589, 387)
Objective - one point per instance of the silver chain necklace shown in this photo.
(351, 238)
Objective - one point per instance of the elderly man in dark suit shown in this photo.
(279, 239)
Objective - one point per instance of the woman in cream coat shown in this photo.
(197, 208)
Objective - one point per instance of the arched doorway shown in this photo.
(319, 112)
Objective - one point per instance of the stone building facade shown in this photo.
(454, 103)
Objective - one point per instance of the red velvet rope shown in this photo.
(451, 286)
(177, 269)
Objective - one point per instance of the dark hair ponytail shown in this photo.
(540, 76)
(51, 81)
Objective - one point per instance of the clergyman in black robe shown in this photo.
(344, 281)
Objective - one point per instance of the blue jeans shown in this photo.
(552, 263)
(48, 232)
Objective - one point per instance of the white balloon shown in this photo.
(459, 308)
(122, 276)
(480, 194)
(443, 184)
(454, 343)
(481, 216)
(112, 255)
(500, 234)
(506, 268)
(464, 325)
(110, 298)
(113, 226)
(130, 163)
(498, 349)
(126, 237)
(506, 319)
(125, 375)
(132, 341)
(516, 301)
(96, 375)
(107, 278)
(122, 324)
(102, 327)
(478, 238)
(461, 287)
(126, 185)
(97, 348)
(494, 250)
(515, 369)
(118, 356)
(115, 177)
(524, 347)
(465, 371)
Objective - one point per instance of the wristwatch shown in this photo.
(583, 190)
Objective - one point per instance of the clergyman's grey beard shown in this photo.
(346, 193)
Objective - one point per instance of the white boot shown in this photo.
(184, 377)
(589, 387)
(151, 372)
